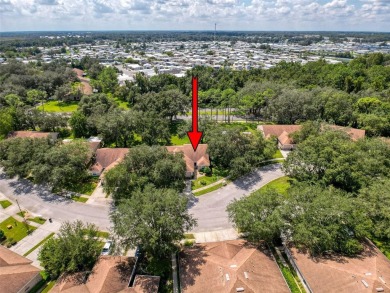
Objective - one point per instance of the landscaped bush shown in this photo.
(206, 170)
(10, 242)
(202, 182)
(188, 243)
(2, 235)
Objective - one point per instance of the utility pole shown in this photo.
(24, 219)
(215, 31)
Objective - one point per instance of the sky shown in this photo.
(262, 15)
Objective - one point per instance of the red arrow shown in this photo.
(195, 135)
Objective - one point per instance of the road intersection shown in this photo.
(209, 209)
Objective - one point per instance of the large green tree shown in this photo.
(376, 199)
(142, 166)
(332, 158)
(239, 151)
(155, 219)
(75, 249)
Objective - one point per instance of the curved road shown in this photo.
(209, 209)
(42, 202)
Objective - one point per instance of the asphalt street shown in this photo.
(210, 209)
(39, 200)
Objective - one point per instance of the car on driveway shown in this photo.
(106, 248)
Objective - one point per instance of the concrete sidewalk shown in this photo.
(98, 197)
(34, 238)
(215, 236)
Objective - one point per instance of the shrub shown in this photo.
(188, 243)
(202, 182)
(206, 170)
(2, 235)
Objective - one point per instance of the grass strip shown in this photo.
(207, 190)
(289, 274)
(5, 203)
(80, 199)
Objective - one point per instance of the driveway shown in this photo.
(40, 201)
(210, 209)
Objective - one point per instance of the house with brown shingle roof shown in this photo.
(33, 134)
(366, 273)
(194, 159)
(282, 133)
(230, 266)
(285, 141)
(85, 88)
(16, 272)
(107, 158)
(111, 274)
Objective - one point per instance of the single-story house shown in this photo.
(107, 158)
(194, 159)
(285, 141)
(85, 88)
(281, 132)
(230, 266)
(111, 274)
(367, 272)
(17, 274)
(33, 134)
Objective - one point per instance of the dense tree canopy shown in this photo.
(142, 166)
(239, 151)
(317, 219)
(331, 158)
(75, 249)
(155, 219)
(61, 166)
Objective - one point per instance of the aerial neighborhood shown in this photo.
(102, 189)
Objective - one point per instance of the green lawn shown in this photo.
(176, 140)
(86, 187)
(45, 285)
(383, 246)
(38, 220)
(189, 236)
(174, 131)
(204, 181)
(122, 104)
(277, 155)
(80, 199)
(289, 274)
(281, 185)
(103, 234)
(18, 230)
(39, 244)
(56, 106)
(5, 203)
(207, 190)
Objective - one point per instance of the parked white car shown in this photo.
(106, 248)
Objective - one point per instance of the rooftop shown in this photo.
(15, 271)
(363, 273)
(229, 266)
(200, 156)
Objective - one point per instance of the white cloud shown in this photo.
(195, 14)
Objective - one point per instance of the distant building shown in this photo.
(107, 158)
(283, 133)
(367, 272)
(230, 266)
(17, 275)
(33, 134)
(194, 160)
